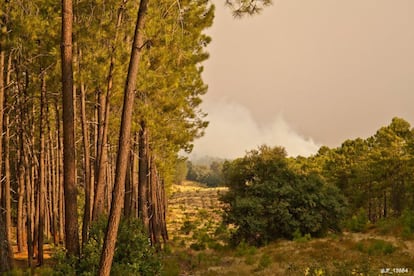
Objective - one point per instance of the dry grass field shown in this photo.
(195, 214)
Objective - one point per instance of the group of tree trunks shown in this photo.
(47, 165)
(44, 163)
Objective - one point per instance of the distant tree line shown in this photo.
(210, 175)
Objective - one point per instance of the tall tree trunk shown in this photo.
(104, 125)
(124, 145)
(69, 158)
(7, 175)
(7, 147)
(134, 178)
(128, 189)
(54, 183)
(155, 227)
(59, 160)
(163, 204)
(87, 167)
(6, 254)
(143, 177)
(21, 153)
(42, 172)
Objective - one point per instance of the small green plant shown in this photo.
(63, 265)
(297, 236)
(243, 249)
(374, 247)
(358, 222)
(264, 262)
(389, 226)
(187, 227)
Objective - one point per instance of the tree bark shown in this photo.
(104, 125)
(124, 145)
(42, 173)
(6, 254)
(128, 189)
(143, 181)
(69, 158)
(87, 168)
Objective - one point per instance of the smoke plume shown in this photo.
(233, 131)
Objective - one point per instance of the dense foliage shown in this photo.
(375, 173)
(134, 254)
(271, 196)
(269, 200)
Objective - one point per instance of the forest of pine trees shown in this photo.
(75, 146)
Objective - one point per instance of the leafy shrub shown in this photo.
(134, 254)
(268, 200)
(375, 247)
(389, 226)
(358, 222)
(407, 221)
(63, 265)
(244, 249)
(298, 237)
(187, 227)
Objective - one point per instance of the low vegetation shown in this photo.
(347, 253)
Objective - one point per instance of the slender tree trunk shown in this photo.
(21, 153)
(87, 168)
(29, 212)
(134, 178)
(155, 229)
(124, 145)
(59, 172)
(54, 183)
(6, 254)
(42, 173)
(7, 175)
(103, 116)
(7, 148)
(163, 205)
(128, 190)
(143, 187)
(69, 159)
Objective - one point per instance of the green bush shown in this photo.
(358, 222)
(134, 254)
(187, 227)
(244, 249)
(375, 247)
(298, 237)
(268, 200)
(407, 221)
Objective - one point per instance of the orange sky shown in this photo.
(328, 69)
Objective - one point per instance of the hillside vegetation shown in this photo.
(195, 209)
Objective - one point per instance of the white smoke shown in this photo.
(233, 131)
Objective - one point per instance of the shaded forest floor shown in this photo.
(197, 247)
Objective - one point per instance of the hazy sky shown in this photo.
(307, 73)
